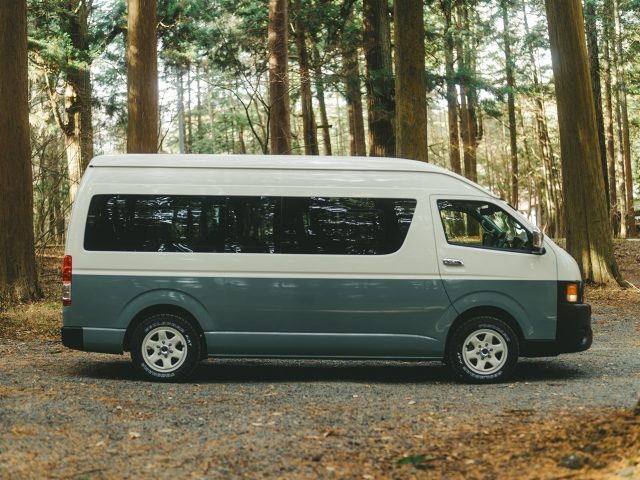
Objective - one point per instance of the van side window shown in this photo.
(482, 224)
(248, 224)
(155, 223)
(345, 226)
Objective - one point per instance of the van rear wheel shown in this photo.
(165, 348)
(483, 350)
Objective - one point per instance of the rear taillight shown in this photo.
(66, 281)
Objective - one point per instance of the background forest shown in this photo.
(464, 84)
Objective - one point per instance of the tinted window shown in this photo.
(345, 226)
(297, 225)
(482, 224)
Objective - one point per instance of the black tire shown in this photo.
(483, 350)
(165, 348)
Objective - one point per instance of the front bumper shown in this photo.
(573, 333)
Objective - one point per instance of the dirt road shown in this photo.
(66, 414)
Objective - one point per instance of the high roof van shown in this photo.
(179, 258)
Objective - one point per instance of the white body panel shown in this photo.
(299, 176)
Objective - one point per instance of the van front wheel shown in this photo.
(165, 348)
(483, 350)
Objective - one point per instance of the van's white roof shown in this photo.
(286, 162)
(277, 162)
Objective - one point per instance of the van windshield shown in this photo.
(482, 224)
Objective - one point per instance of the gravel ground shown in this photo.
(67, 414)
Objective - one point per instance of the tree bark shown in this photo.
(353, 95)
(629, 216)
(594, 68)
(18, 277)
(309, 128)
(410, 80)
(468, 95)
(452, 92)
(279, 111)
(182, 148)
(142, 77)
(614, 214)
(326, 137)
(380, 83)
(511, 103)
(588, 237)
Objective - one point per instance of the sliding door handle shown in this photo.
(452, 262)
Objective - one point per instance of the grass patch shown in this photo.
(37, 320)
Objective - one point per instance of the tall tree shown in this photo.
(59, 40)
(511, 103)
(466, 49)
(279, 116)
(353, 96)
(587, 220)
(550, 182)
(380, 84)
(308, 118)
(410, 81)
(614, 214)
(452, 92)
(594, 68)
(629, 217)
(142, 77)
(18, 278)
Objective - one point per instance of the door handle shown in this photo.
(452, 262)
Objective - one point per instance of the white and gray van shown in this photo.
(179, 258)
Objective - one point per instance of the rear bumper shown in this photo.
(573, 333)
(103, 340)
(72, 337)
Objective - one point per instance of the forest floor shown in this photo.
(68, 414)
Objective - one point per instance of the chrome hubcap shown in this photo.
(164, 349)
(485, 351)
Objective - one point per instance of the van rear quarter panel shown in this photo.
(242, 300)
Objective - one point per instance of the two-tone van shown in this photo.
(180, 258)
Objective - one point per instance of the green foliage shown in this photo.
(411, 460)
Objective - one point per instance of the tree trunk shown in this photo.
(353, 95)
(182, 148)
(380, 84)
(551, 183)
(309, 129)
(79, 133)
(511, 103)
(18, 277)
(199, 110)
(326, 137)
(142, 77)
(614, 214)
(629, 216)
(468, 95)
(588, 237)
(279, 118)
(410, 80)
(188, 119)
(452, 93)
(594, 68)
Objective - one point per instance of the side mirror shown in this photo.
(537, 241)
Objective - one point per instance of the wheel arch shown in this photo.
(164, 309)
